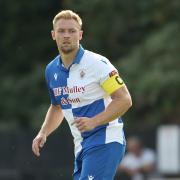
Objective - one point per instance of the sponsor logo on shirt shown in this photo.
(67, 90)
(57, 91)
(67, 101)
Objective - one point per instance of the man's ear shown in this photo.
(53, 34)
(80, 35)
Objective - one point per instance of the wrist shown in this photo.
(42, 132)
(96, 122)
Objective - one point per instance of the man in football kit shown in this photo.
(87, 90)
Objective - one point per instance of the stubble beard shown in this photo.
(67, 50)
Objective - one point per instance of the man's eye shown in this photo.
(72, 31)
(60, 31)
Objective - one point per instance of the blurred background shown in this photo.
(141, 38)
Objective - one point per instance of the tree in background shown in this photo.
(25, 49)
(152, 71)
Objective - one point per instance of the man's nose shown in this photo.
(66, 34)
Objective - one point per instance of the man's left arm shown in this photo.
(121, 102)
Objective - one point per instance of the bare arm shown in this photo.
(52, 120)
(121, 102)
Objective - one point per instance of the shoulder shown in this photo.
(52, 64)
(148, 155)
(148, 151)
(95, 58)
(129, 156)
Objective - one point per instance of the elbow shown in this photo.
(128, 101)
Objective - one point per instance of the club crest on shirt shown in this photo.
(82, 73)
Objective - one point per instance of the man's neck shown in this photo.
(67, 59)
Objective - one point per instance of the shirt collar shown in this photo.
(79, 55)
(77, 58)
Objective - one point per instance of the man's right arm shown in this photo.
(52, 120)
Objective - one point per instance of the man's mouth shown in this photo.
(66, 42)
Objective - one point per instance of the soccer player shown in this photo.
(87, 90)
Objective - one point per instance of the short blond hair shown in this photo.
(67, 14)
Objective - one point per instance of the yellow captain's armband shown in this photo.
(112, 84)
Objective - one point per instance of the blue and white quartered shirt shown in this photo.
(83, 90)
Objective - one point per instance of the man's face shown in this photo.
(67, 35)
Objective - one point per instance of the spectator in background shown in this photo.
(139, 162)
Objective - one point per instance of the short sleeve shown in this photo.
(109, 76)
(51, 93)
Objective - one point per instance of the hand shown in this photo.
(38, 143)
(84, 124)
